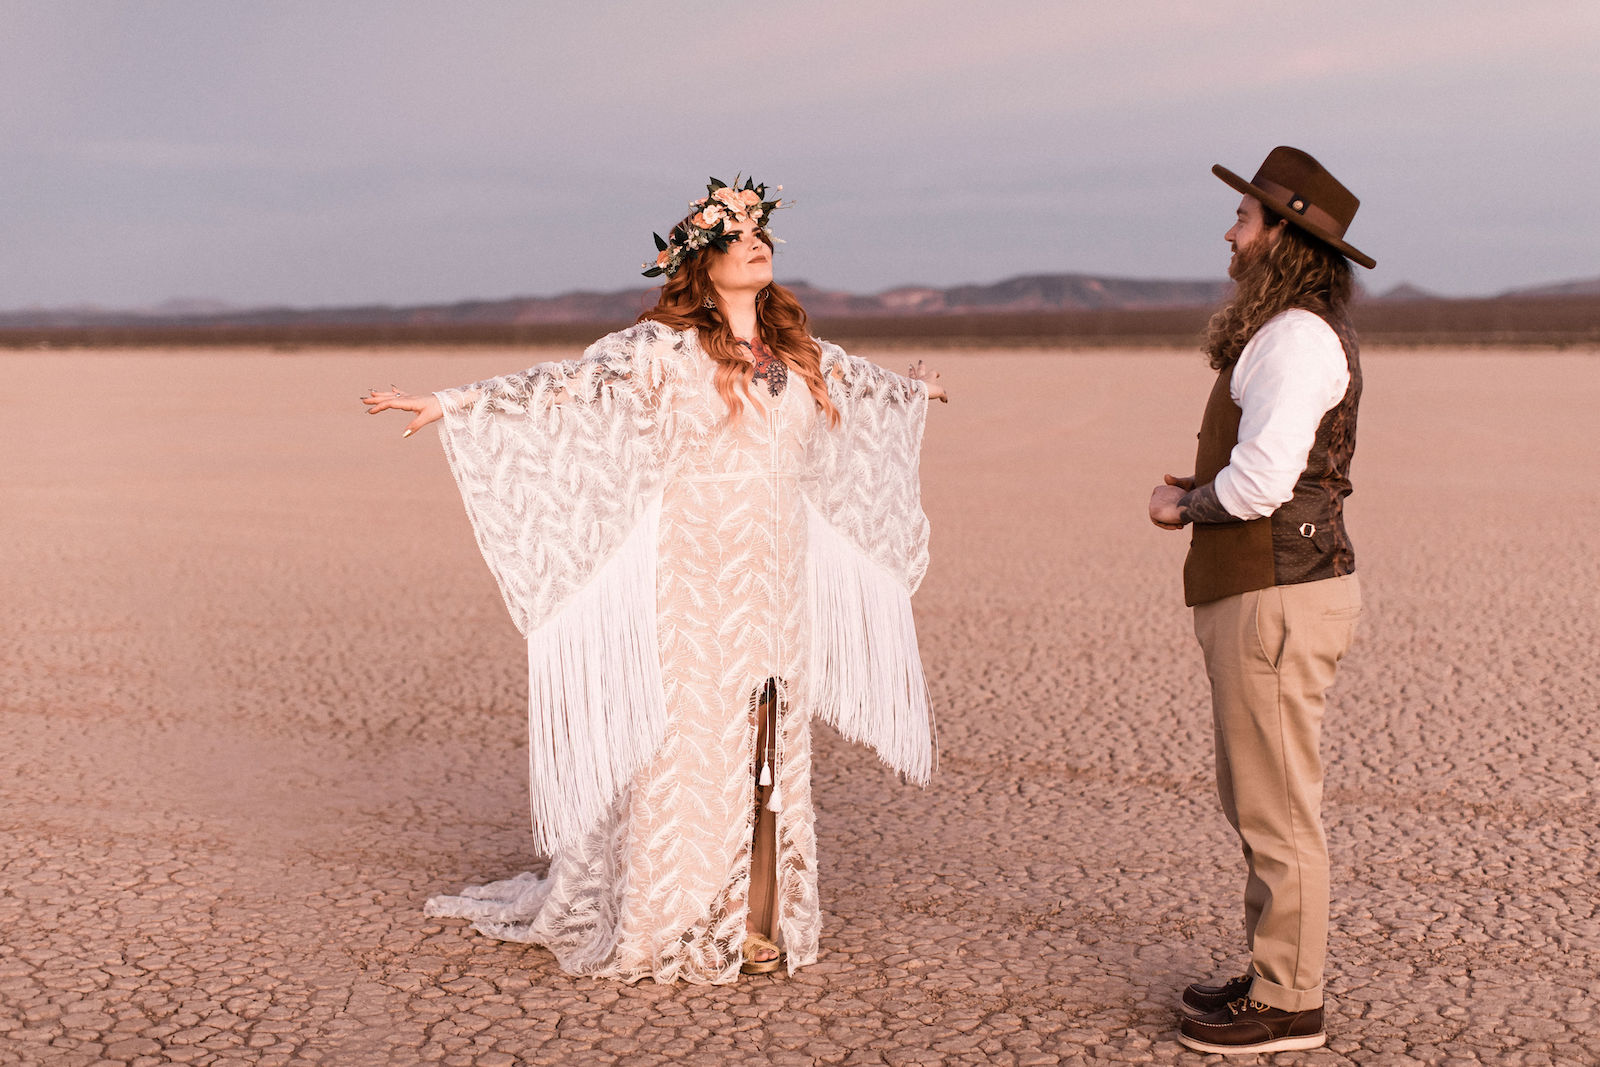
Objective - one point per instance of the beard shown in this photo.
(1252, 271)
(1271, 276)
(1247, 262)
(1253, 274)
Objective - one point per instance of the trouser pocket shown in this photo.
(1271, 632)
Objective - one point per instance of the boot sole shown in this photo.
(1277, 1044)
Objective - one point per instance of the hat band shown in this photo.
(1298, 204)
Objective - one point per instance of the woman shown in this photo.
(708, 528)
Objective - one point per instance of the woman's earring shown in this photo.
(708, 302)
(762, 295)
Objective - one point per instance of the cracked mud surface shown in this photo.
(261, 699)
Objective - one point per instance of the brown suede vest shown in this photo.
(1305, 539)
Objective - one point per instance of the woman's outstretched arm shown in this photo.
(921, 372)
(427, 408)
(623, 360)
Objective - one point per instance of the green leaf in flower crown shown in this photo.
(661, 246)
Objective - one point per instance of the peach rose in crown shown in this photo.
(663, 258)
(749, 198)
(729, 195)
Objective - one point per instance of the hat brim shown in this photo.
(1281, 207)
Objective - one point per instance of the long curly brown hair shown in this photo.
(779, 317)
(1296, 271)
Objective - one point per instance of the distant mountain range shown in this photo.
(1039, 292)
(1585, 287)
(1031, 293)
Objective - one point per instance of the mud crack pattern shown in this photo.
(261, 699)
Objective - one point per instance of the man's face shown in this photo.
(1249, 235)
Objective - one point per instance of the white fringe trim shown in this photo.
(597, 712)
(866, 674)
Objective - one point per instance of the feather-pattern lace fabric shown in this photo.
(664, 561)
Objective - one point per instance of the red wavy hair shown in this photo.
(779, 317)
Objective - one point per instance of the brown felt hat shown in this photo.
(1302, 191)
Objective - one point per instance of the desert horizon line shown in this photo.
(199, 306)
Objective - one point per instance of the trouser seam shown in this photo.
(1294, 831)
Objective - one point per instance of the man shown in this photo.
(1271, 578)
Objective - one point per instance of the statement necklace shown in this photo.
(769, 368)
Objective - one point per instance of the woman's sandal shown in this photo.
(754, 943)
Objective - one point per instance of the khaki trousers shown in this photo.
(1271, 655)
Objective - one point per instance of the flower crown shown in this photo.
(708, 226)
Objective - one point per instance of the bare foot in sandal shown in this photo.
(761, 956)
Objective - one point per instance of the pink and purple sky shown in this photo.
(314, 153)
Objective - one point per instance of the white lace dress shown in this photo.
(664, 561)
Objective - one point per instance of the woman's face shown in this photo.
(747, 264)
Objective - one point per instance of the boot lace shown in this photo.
(1244, 1004)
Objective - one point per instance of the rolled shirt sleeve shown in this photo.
(1288, 376)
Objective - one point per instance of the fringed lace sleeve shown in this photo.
(561, 468)
(867, 550)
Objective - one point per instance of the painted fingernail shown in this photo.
(408, 433)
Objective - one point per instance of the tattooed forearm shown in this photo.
(1202, 505)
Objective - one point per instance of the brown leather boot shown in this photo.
(1203, 999)
(1246, 1027)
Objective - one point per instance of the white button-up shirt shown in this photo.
(1290, 374)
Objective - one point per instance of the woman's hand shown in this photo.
(920, 372)
(426, 407)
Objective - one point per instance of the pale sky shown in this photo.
(335, 152)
